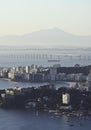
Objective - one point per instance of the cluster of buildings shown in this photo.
(40, 74)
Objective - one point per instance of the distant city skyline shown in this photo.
(19, 17)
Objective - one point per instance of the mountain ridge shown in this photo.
(50, 37)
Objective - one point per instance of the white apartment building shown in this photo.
(27, 69)
(66, 98)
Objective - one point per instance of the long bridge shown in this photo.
(44, 56)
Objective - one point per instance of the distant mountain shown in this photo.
(50, 37)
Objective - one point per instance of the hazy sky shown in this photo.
(25, 16)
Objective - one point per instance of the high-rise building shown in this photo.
(66, 98)
(27, 69)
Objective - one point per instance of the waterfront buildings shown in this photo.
(55, 73)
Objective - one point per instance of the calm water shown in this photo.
(9, 84)
(27, 120)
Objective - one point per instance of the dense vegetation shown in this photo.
(46, 97)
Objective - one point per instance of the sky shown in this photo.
(19, 17)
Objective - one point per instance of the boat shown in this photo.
(53, 60)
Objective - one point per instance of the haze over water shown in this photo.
(22, 56)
